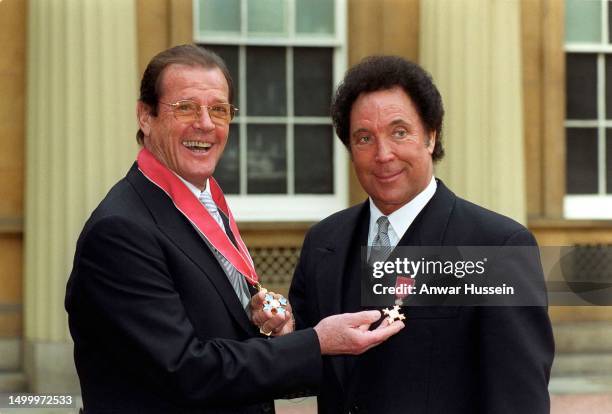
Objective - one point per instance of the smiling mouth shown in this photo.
(197, 146)
(388, 176)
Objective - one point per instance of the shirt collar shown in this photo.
(195, 190)
(401, 219)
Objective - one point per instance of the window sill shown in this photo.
(570, 224)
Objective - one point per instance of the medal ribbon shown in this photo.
(403, 282)
(187, 203)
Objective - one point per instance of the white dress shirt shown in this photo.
(401, 219)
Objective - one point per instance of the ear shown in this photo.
(143, 112)
(431, 142)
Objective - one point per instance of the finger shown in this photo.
(385, 322)
(257, 317)
(274, 294)
(381, 334)
(288, 314)
(260, 316)
(378, 336)
(362, 318)
(278, 321)
(274, 324)
(386, 332)
(257, 300)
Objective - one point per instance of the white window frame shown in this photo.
(290, 206)
(594, 206)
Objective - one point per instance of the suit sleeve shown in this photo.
(121, 281)
(516, 352)
(300, 290)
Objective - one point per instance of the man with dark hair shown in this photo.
(160, 296)
(468, 359)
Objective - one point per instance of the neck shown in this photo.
(199, 184)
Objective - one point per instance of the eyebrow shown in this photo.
(359, 130)
(399, 121)
(216, 100)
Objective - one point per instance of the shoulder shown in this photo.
(121, 211)
(341, 221)
(121, 201)
(471, 221)
(340, 217)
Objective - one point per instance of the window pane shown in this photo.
(581, 85)
(266, 159)
(609, 21)
(315, 16)
(583, 21)
(609, 161)
(227, 172)
(230, 55)
(314, 173)
(267, 17)
(313, 81)
(581, 160)
(219, 16)
(266, 79)
(609, 86)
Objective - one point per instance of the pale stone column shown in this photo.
(81, 125)
(472, 49)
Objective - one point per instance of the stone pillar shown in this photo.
(81, 125)
(473, 50)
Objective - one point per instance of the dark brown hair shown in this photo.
(376, 73)
(188, 55)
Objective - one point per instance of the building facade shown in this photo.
(524, 85)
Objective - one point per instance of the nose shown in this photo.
(384, 150)
(203, 121)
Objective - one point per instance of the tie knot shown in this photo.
(383, 224)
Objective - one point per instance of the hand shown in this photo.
(349, 333)
(276, 324)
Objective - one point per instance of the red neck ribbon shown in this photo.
(187, 203)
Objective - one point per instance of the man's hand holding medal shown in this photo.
(271, 312)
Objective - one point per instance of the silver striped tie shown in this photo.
(236, 279)
(381, 246)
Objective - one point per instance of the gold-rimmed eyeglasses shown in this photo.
(191, 111)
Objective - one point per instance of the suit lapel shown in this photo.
(428, 229)
(429, 226)
(178, 229)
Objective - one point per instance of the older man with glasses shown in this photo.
(164, 302)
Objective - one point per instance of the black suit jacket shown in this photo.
(158, 328)
(492, 360)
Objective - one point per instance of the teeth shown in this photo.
(197, 144)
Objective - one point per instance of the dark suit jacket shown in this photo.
(446, 360)
(158, 328)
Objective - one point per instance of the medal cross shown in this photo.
(394, 314)
(274, 305)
